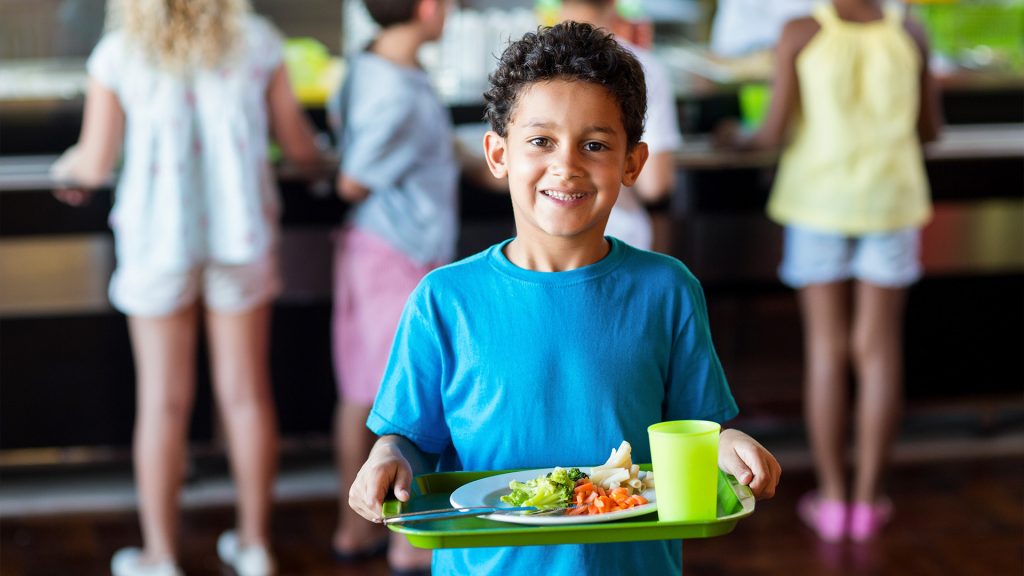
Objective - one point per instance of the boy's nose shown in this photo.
(566, 164)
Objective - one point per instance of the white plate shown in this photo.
(488, 492)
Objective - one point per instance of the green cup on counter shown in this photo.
(754, 102)
(684, 454)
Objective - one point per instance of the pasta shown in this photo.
(620, 472)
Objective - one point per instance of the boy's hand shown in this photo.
(751, 463)
(351, 190)
(385, 467)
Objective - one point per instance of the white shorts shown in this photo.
(888, 259)
(223, 287)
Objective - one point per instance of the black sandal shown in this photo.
(410, 572)
(358, 556)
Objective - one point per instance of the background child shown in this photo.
(399, 167)
(629, 220)
(548, 348)
(191, 88)
(852, 84)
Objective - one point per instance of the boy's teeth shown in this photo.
(563, 197)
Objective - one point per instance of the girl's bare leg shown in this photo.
(826, 344)
(352, 443)
(240, 357)
(164, 350)
(878, 359)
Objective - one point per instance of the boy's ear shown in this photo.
(636, 157)
(495, 154)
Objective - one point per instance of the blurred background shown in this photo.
(66, 375)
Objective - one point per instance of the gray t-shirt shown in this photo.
(396, 139)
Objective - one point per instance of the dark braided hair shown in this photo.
(574, 52)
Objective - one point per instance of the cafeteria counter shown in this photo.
(67, 368)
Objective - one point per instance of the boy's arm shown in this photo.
(750, 462)
(392, 463)
(929, 121)
(384, 149)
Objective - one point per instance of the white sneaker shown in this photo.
(128, 562)
(248, 561)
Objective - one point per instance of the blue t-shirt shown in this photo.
(396, 139)
(496, 367)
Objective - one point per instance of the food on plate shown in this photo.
(553, 490)
(591, 499)
(618, 484)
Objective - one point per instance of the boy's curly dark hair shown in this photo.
(568, 51)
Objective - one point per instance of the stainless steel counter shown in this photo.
(971, 142)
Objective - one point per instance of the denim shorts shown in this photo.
(888, 259)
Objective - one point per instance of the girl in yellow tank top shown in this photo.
(853, 99)
(854, 162)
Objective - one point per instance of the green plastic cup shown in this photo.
(684, 454)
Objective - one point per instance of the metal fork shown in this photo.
(548, 511)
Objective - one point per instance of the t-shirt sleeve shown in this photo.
(105, 62)
(409, 401)
(382, 147)
(697, 388)
(267, 45)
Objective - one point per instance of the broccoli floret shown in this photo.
(549, 491)
(575, 474)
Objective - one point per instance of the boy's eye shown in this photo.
(540, 141)
(594, 147)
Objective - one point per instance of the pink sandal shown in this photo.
(826, 517)
(866, 520)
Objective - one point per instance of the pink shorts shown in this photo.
(372, 281)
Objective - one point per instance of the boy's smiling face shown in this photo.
(566, 155)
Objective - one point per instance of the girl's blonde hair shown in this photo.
(181, 34)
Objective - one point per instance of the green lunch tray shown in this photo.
(432, 491)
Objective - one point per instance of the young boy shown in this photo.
(551, 347)
(400, 171)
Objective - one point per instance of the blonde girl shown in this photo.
(189, 90)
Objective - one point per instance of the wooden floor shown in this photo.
(964, 517)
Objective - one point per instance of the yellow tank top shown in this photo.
(854, 164)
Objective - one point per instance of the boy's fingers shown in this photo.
(765, 471)
(403, 477)
(365, 497)
(731, 463)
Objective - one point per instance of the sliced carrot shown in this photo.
(637, 500)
